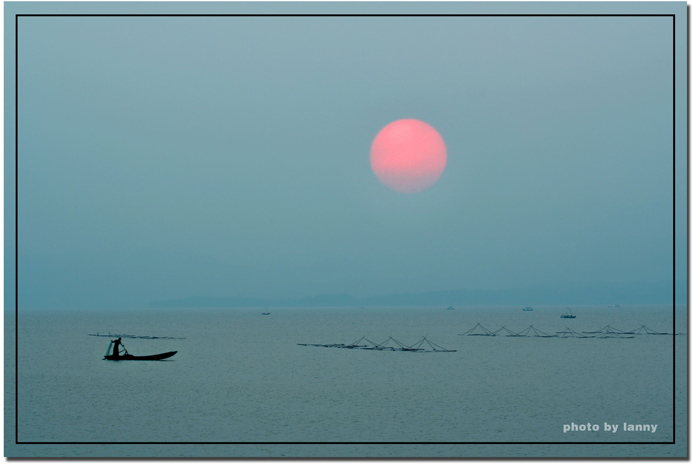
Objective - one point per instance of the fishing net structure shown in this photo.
(568, 332)
(502, 331)
(531, 331)
(478, 330)
(131, 336)
(607, 332)
(645, 330)
(388, 345)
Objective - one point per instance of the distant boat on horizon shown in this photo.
(570, 314)
(450, 308)
(528, 308)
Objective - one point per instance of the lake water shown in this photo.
(240, 377)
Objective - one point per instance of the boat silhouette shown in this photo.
(128, 356)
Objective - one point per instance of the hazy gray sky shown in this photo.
(167, 157)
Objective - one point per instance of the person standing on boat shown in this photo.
(115, 350)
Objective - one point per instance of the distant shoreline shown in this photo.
(580, 294)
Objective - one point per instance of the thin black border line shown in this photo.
(16, 230)
(342, 15)
(17, 16)
(674, 229)
(335, 443)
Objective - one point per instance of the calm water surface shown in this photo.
(239, 376)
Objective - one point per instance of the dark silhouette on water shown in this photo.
(115, 349)
(115, 355)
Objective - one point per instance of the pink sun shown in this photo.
(408, 156)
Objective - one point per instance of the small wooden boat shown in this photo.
(160, 356)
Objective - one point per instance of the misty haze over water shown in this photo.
(239, 376)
